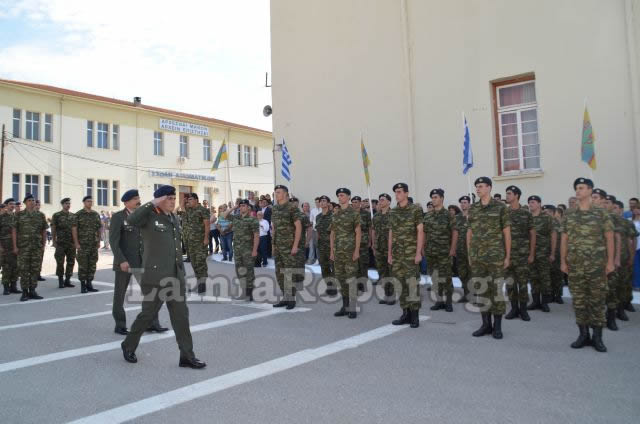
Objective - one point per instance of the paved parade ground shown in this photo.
(60, 361)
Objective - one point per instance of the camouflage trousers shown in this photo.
(464, 271)
(87, 257)
(346, 272)
(541, 276)
(556, 277)
(588, 286)
(197, 252)
(383, 267)
(613, 289)
(488, 282)
(300, 262)
(518, 280)
(324, 253)
(68, 251)
(363, 263)
(244, 263)
(407, 274)
(286, 266)
(9, 263)
(439, 269)
(29, 261)
(626, 284)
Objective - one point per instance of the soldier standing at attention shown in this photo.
(196, 228)
(286, 220)
(126, 244)
(62, 241)
(30, 233)
(587, 255)
(345, 251)
(523, 249)
(441, 239)
(406, 238)
(37, 209)
(541, 269)
(323, 224)
(85, 229)
(627, 252)
(163, 279)
(246, 237)
(305, 240)
(381, 225)
(7, 241)
(462, 259)
(365, 241)
(614, 296)
(489, 244)
(556, 274)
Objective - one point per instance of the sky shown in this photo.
(202, 57)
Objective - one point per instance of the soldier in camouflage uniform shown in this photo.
(556, 275)
(489, 244)
(9, 258)
(85, 229)
(523, 247)
(381, 225)
(62, 241)
(406, 238)
(196, 223)
(587, 255)
(365, 230)
(627, 252)
(305, 240)
(323, 224)
(37, 208)
(615, 296)
(286, 220)
(345, 251)
(246, 237)
(441, 238)
(31, 235)
(462, 259)
(541, 268)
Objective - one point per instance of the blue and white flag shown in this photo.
(286, 162)
(467, 154)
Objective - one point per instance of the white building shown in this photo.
(401, 72)
(64, 143)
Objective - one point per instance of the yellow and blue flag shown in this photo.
(221, 156)
(588, 149)
(365, 162)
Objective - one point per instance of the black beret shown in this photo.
(244, 202)
(403, 186)
(534, 197)
(9, 200)
(483, 180)
(283, 187)
(548, 207)
(27, 197)
(164, 190)
(582, 180)
(65, 200)
(294, 199)
(37, 201)
(18, 203)
(194, 195)
(343, 190)
(356, 199)
(87, 198)
(467, 198)
(601, 192)
(438, 191)
(611, 197)
(323, 197)
(514, 190)
(129, 194)
(619, 203)
(386, 196)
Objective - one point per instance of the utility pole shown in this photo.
(4, 138)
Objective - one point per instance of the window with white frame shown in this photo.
(89, 187)
(115, 186)
(158, 143)
(102, 134)
(247, 156)
(15, 181)
(31, 183)
(103, 192)
(48, 127)
(33, 126)
(517, 117)
(239, 155)
(47, 189)
(17, 120)
(184, 146)
(206, 149)
(115, 137)
(89, 133)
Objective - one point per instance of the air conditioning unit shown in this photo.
(182, 159)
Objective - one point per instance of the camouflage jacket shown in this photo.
(193, 222)
(629, 233)
(7, 222)
(283, 219)
(323, 224)
(244, 229)
(557, 227)
(381, 224)
(585, 230)
(438, 229)
(486, 224)
(544, 229)
(521, 224)
(61, 221)
(306, 223)
(365, 225)
(88, 224)
(29, 228)
(404, 222)
(462, 224)
(344, 223)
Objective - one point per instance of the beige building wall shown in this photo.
(402, 71)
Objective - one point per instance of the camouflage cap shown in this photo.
(534, 197)
(582, 180)
(403, 186)
(344, 191)
(483, 180)
(514, 189)
(438, 191)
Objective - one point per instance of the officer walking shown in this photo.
(246, 237)
(85, 229)
(323, 224)
(7, 242)
(30, 234)
(127, 247)
(62, 240)
(380, 236)
(163, 279)
(196, 228)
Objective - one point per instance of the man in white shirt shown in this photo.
(264, 240)
(313, 245)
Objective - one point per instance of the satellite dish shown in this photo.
(266, 111)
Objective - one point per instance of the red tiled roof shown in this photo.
(80, 94)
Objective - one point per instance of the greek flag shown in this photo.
(467, 154)
(286, 162)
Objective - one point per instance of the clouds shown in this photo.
(202, 57)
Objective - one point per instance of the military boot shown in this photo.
(60, 283)
(202, 285)
(611, 320)
(6, 290)
(250, 294)
(13, 288)
(33, 294)
(437, 306)
(486, 326)
(535, 302)
(524, 315)
(583, 338)
(292, 303)
(414, 318)
(90, 286)
(497, 327)
(447, 306)
(629, 307)
(332, 291)
(620, 314)
(597, 340)
(343, 311)
(83, 286)
(404, 318)
(514, 312)
(67, 282)
(544, 305)
(25, 295)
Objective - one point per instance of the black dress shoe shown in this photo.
(24, 297)
(67, 282)
(40, 278)
(291, 304)
(194, 363)
(128, 355)
(281, 304)
(157, 329)
(121, 330)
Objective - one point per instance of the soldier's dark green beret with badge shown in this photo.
(385, 195)
(611, 197)
(65, 200)
(85, 198)
(600, 192)
(323, 197)
(514, 189)
(467, 198)
(282, 187)
(344, 191)
(294, 199)
(129, 194)
(483, 180)
(534, 197)
(582, 180)
(244, 202)
(548, 207)
(403, 186)
(356, 199)
(27, 197)
(619, 204)
(438, 191)
(164, 190)
(9, 200)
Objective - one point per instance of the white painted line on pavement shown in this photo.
(56, 320)
(51, 299)
(88, 350)
(217, 384)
